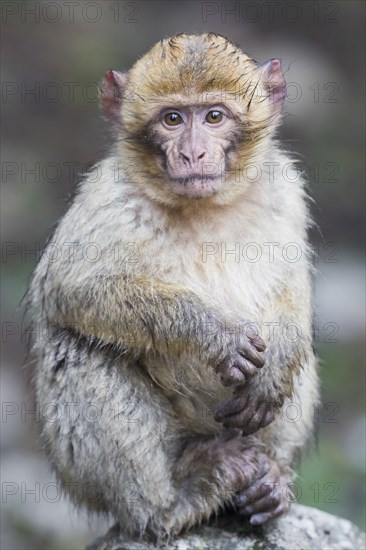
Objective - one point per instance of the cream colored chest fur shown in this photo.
(235, 258)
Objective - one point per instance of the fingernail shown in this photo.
(255, 520)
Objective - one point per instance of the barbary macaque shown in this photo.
(180, 350)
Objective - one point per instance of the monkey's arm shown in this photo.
(144, 315)
(287, 332)
(133, 313)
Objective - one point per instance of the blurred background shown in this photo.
(53, 56)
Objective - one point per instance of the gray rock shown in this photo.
(303, 528)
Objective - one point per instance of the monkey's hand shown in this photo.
(236, 354)
(246, 410)
(267, 497)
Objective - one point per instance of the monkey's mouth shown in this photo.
(196, 185)
(194, 178)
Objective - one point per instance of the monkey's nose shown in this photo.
(192, 158)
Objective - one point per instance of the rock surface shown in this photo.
(303, 528)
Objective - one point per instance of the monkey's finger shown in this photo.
(237, 421)
(245, 419)
(266, 482)
(254, 423)
(264, 504)
(232, 376)
(258, 343)
(258, 519)
(250, 353)
(254, 493)
(253, 336)
(245, 366)
(267, 418)
(234, 370)
(230, 407)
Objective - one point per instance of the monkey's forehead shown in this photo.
(192, 64)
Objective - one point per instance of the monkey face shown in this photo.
(192, 145)
(195, 112)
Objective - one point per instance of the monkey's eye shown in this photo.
(213, 117)
(173, 119)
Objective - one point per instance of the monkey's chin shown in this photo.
(195, 188)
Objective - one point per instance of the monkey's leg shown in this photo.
(117, 446)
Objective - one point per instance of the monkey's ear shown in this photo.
(274, 83)
(111, 94)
